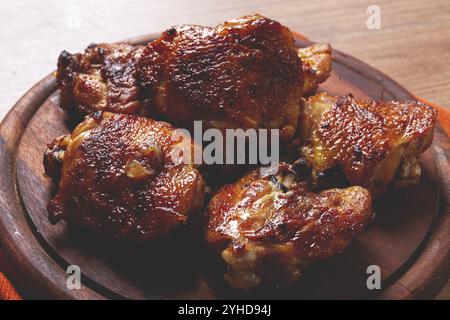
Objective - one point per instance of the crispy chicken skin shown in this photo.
(244, 73)
(316, 64)
(103, 78)
(375, 144)
(269, 228)
(117, 178)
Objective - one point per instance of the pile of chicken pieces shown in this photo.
(117, 179)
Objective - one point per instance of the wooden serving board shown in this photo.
(409, 241)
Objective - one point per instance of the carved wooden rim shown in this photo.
(26, 251)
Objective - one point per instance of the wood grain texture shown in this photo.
(403, 241)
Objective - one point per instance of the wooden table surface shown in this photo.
(412, 46)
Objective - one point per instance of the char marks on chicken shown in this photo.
(268, 229)
(103, 78)
(244, 73)
(118, 178)
(375, 144)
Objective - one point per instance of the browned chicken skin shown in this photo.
(104, 78)
(117, 178)
(373, 143)
(245, 73)
(316, 64)
(268, 228)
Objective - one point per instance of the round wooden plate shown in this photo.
(409, 240)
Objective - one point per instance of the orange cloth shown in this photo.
(7, 291)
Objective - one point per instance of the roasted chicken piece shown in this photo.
(118, 178)
(269, 228)
(101, 79)
(371, 144)
(245, 73)
(316, 64)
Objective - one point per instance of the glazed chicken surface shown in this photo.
(244, 73)
(118, 178)
(103, 78)
(316, 64)
(269, 228)
(373, 144)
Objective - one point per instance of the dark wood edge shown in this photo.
(34, 282)
(423, 280)
(22, 261)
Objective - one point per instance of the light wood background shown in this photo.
(412, 46)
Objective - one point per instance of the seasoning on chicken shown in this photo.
(269, 228)
(118, 178)
(373, 144)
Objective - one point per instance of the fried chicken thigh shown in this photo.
(269, 228)
(118, 178)
(245, 73)
(101, 79)
(373, 144)
(316, 64)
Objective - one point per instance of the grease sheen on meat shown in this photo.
(269, 228)
(118, 179)
(101, 79)
(244, 73)
(373, 143)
